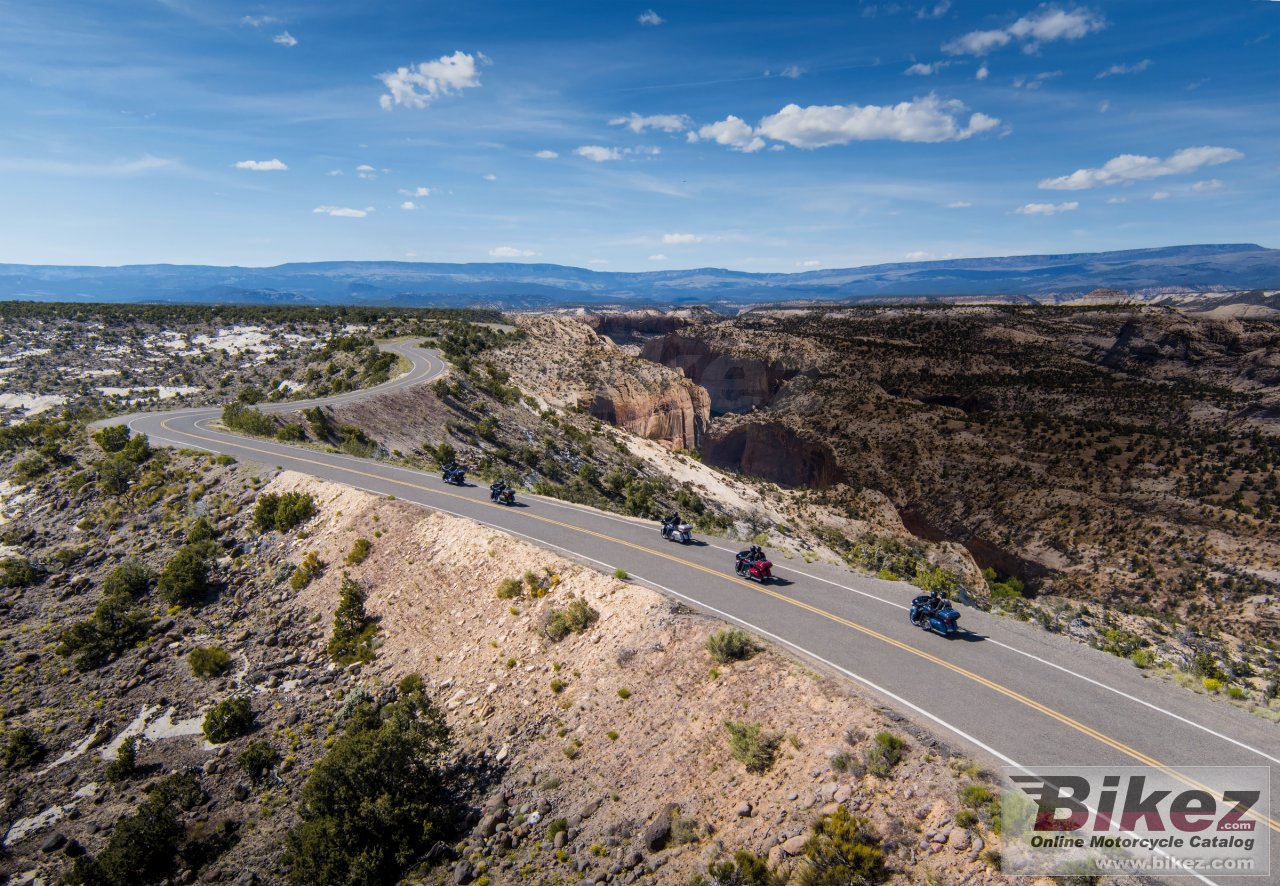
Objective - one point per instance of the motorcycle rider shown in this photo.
(669, 523)
(496, 489)
(753, 554)
(936, 602)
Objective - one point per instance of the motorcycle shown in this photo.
(944, 620)
(760, 570)
(502, 494)
(455, 474)
(681, 532)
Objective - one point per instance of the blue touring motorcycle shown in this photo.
(935, 614)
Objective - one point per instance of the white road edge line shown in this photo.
(893, 696)
(199, 424)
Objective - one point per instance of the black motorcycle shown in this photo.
(455, 474)
(502, 494)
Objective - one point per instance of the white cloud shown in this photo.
(416, 192)
(918, 255)
(1213, 184)
(510, 252)
(597, 153)
(342, 211)
(733, 132)
(257, 21)
(490, 177)
(809, 263)
(1115, 70)
(1135, 167)
(983, 73)
(959, 204)
(670, 239)
(1161, 195)
(334, 172)
(977, 43)
(658, 257)
(927, 119)
(665, 122)
(285, 39)
(418, 85)
(408, 204)
(1050, 23)
(937, 11)
(1117, 200)
(1036, 80)
(791, 72)
(1045, 25)
(262, 165)
(1046, 208)
(921, 69)
(1104, 106)
(364, 170)
(649, 17)
(546, 155)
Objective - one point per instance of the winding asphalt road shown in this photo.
(1008, 693)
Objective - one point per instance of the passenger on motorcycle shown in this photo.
(753, 554)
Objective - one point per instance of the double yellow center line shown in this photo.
(822, 613)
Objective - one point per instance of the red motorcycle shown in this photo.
(759, 569)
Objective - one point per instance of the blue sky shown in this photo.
(619, 136)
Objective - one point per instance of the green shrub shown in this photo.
(201, 531)
(746, 869)
(16, 572)
(624, 693)
(141, 850)
(240, 417)
(1211, 684)
(129, 579)
(112, 438)
(557, 685)
(1141, 658)
(377, 800)
(291, 434)
(230, 718)
(185, 578)
(138, 449)
(510, 588)
(621, 574)
(208, 661)
(29, 468)
(843, 851)
(359, 552)
(885, 752)
(282, 512)
(257, 760)
(353, 630)
(116, 473)
(751, 746)
(557, 826)
(975, 796)
(731, 644)
(21, 748)
(573, 619)
(117, 624)
(306, 571)
(126, 761)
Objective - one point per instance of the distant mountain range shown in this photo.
(1040, 278)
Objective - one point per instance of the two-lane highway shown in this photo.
(1009, 693)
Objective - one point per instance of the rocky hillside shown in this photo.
(135, 620)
